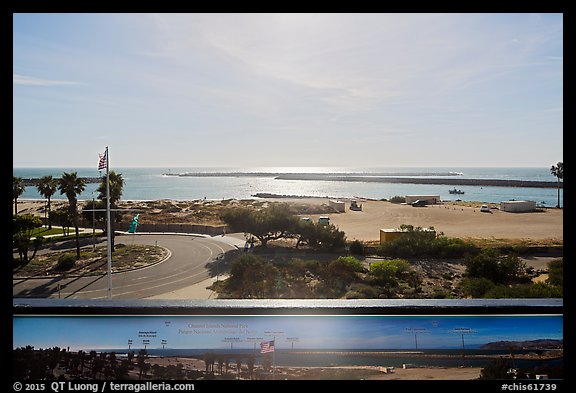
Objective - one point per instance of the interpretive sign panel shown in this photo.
(304, 346)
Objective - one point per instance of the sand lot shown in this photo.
(451, 219)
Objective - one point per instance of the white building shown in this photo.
(518, 206)
(339, 206)
(430, 199)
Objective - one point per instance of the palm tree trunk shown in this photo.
(77, 242)
(558, 205)
(77, 237)
(49, 222)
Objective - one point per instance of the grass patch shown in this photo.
(94, 262)
(44, 231)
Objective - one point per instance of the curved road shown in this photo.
(184, 267)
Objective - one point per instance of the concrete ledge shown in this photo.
(290, 306)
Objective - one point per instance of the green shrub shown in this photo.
(417, 242)
(476, 287)
(388, 272)
(361, 291)
(66, 262)
(451, 247)
(500, 269)
(556, 272)
(441, 294)
(398, 199)
(536, 290)
(357, 247)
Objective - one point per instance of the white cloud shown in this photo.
(32, 81)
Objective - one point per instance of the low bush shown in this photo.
(66, 262)
(398, 199)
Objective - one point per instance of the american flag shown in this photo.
(101, 161)
(267, 346)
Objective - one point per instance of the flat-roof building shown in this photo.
(518, 206)
(430, 199)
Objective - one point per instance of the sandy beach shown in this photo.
(453, 220)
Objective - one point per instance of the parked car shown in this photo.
(323, 220)
(418, 203)
(485, 209)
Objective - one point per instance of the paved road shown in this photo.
(185, 266)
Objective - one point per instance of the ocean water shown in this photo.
(243, 183)
(362, 357)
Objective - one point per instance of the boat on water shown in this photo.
(455, 191)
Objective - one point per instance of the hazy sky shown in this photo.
(330, 332)
(346, 90)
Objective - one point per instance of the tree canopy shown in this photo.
(17, 190)
(22, 227)
(71, 185)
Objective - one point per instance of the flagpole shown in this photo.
(274, 359)
(108, 226)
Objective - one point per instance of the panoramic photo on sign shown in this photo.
(292, 347)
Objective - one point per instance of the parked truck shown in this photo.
(354, 205)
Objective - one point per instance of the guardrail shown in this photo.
(22, 306)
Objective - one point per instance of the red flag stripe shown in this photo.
(102, 161)
(267, 346)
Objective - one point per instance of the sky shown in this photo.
(320, 332)
(289, 90)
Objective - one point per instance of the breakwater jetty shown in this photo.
(442, 178)
(424, 180)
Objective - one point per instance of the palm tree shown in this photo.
(47, 187)
(558, 171)
(72, 185)
(18, 187)
(116, 185)
(142, 365)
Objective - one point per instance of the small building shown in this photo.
(324, 220)
(339, 206)
(387, 235)
(430, 199)
(518, 206)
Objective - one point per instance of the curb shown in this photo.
(96, 274)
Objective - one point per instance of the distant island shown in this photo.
(542, 344)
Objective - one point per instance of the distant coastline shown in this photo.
(278, 174)
(34, 181)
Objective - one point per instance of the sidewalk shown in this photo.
(193, 292)
(72, 232)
